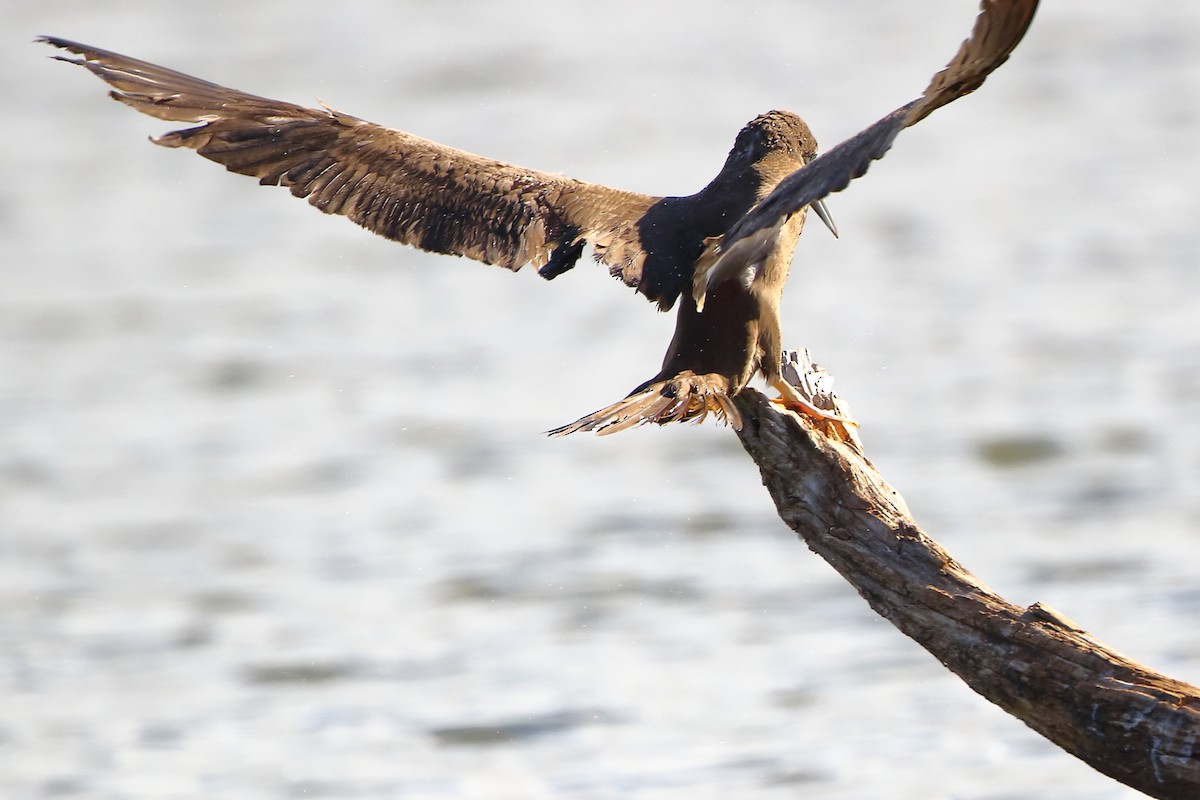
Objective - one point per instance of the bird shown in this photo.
(722, 254)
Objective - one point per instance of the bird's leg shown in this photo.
(792, 400)
(802, 385)
(832, 423)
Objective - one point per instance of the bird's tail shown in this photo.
(687, 396)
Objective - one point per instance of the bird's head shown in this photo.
(774, 145)
(778, 138)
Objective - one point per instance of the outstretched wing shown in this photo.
(998, 28)
(400, 186)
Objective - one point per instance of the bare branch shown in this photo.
(1125, 720)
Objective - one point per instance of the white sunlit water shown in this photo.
(277, 518)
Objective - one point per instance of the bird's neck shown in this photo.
(734, 191)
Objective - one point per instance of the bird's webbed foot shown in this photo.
(808, 389)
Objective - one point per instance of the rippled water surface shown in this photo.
(277, 518)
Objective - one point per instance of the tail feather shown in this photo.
(686, 397)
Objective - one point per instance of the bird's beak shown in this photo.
(823, 213)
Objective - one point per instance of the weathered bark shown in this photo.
(1126, 721)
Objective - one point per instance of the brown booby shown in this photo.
(723, 254)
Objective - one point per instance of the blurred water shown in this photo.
(275, 522)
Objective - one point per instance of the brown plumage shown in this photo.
(998, 29)
(725, 250)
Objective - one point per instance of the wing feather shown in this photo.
(401, 186)
(998, 29)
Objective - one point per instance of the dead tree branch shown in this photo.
(1126, 721)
